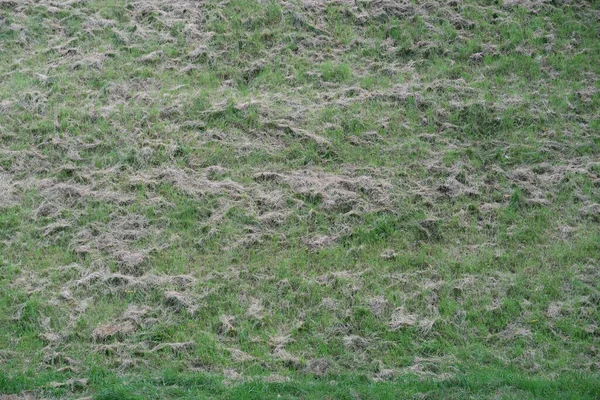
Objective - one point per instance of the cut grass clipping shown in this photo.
(299, 199)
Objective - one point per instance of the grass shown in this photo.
(274, 199)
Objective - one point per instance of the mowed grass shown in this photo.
(264, 199)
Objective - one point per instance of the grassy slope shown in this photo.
(428, 223)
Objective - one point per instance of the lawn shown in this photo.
(255, 199)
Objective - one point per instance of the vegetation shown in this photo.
(367, 199)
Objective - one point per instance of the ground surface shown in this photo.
(319, 199)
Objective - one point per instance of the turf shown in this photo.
(311, 199)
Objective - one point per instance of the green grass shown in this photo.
(380, 200)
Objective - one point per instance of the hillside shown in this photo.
(254, 199)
